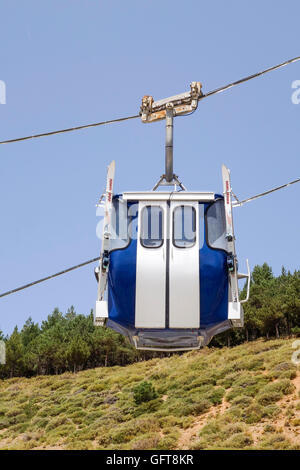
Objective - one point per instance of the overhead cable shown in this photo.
(67, 270)
(112, 121)
(240, 203)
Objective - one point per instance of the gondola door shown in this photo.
(184, 282)
(167, 273)
(150, 300)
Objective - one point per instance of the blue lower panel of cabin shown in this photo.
(121, 285)
(213, 302)
(213, 287)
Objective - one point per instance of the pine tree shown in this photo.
(15, 354)
(29, 332)
(77, 353)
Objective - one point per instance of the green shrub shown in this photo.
(233, 428)
(296, 331)
(228, 381)
(200, 407)
(171, 421)
(251, 364)
(242, 400)
(248, 385)
(79, 445)
(168, 442)
(190, 407)
(284, 387)
(216, 395)
(40, 423)
(275, 442)
(211, 428)
(201, 444)
(148, 407)
(56, 422)
(266, 398)
(149, 442)
(253, 414)
(271, 411)
(238, 441)
(208, 379)
(144, 392)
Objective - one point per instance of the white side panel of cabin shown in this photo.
(150, 300)
(184, 278)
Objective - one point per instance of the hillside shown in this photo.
(244, 397)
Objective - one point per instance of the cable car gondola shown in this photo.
(168, 258)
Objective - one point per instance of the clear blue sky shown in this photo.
(72, 62)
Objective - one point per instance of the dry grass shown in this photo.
(246, 397)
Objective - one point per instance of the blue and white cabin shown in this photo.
(168, 279)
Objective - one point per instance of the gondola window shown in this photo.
(119, 225)
(216, 226)
(152, 227)
(184, 226)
